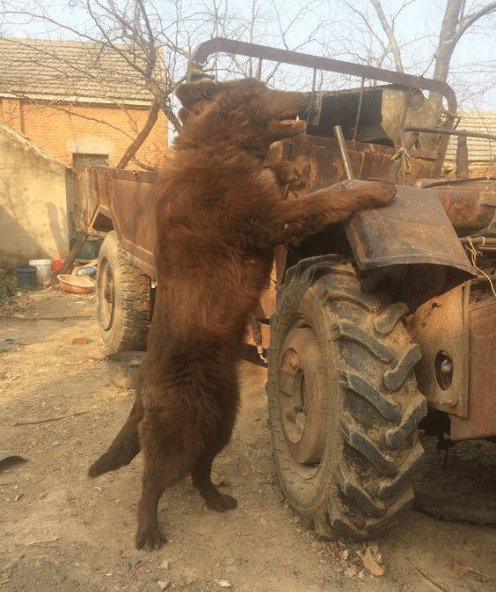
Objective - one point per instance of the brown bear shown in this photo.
(219, 217)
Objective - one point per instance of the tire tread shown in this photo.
(379, 456)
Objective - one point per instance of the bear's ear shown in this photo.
(190, 93)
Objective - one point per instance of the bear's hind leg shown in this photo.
(166, 461)
(202, 480)
(155, 482)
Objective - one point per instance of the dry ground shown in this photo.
(60, 531)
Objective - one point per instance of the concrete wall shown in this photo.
(33, 202)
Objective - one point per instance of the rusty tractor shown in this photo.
(374, 321)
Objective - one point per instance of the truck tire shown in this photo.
(123, 299)
(343, 401)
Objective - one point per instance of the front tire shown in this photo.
(123, 299)
(343, 401)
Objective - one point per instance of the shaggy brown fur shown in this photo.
(219, 216)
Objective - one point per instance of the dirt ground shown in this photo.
(61, 531)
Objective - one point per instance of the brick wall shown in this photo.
(94, 129)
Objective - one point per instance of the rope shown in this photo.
(473, 259)
(405, 161)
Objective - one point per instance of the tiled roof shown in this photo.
(68, 69)
(480, 151)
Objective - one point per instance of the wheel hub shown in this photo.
(302, 386)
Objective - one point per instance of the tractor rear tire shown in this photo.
(343, 401)
(123, 299)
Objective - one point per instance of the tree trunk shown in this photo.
(455, 23)
(141, 137)
(447, 42)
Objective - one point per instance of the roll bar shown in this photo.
(262, 52)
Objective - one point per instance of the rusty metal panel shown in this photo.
(470, 206)
(120, 200)
(326, 166)
(133, 209)
(368, 161)
(481, 421)
(440, 328)
(412, 229)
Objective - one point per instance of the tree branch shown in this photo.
(141, 137)
(467, 22)
(390, 34)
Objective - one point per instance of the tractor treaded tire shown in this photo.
(123, 299)
(369, 449)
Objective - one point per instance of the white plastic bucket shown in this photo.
(43, 270)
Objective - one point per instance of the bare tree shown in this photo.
(456, 22)
(389, 30)
(155, 41)
(429, 53)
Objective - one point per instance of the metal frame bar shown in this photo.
(262, 52)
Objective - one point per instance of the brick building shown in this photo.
(77, 101)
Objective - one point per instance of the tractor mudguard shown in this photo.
(412, 229)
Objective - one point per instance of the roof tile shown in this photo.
(68, 69)
(480, 151)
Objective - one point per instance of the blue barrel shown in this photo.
(26, 276)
